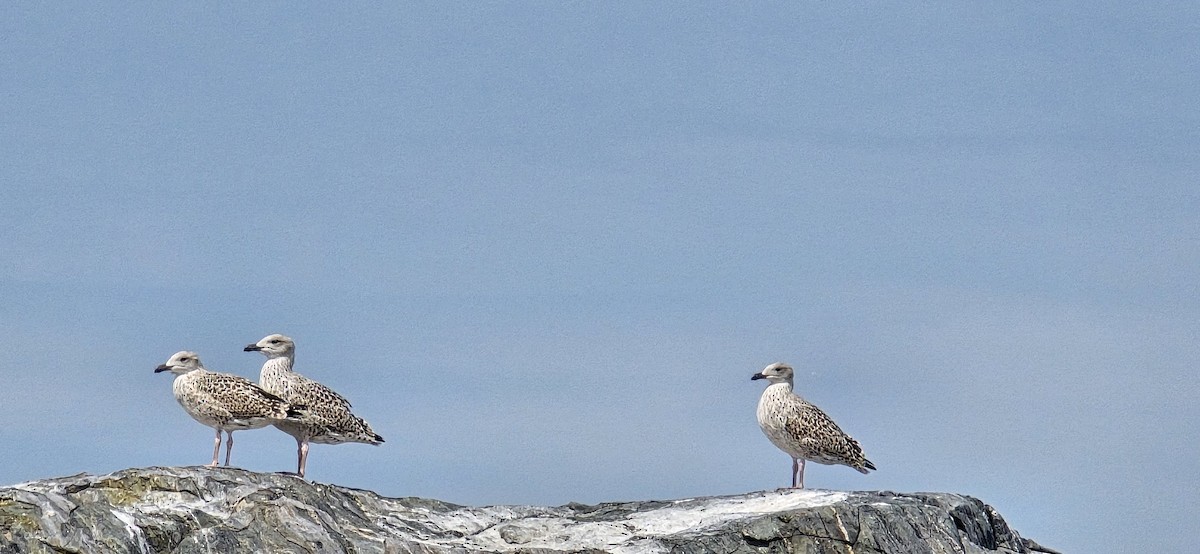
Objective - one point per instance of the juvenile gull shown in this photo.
(328, 419)
(801, 429)
(222, 401)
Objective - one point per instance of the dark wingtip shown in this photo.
(867, 466)
(379, 438)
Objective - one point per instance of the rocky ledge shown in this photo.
(200, 509)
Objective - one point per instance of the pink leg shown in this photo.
(228, 446)
(302, 454)
(802, 473)
(216, 449)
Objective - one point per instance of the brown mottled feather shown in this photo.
(329, 419)
(801, 429)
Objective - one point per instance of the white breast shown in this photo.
(775, 407)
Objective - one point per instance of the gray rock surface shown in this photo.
(207, 510)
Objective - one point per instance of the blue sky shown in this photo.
(542, 248)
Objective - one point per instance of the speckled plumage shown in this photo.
(222, 401)
(801, 429)
(328, 419)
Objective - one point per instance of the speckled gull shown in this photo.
(328, 419)
(801, 429)
(222, 401)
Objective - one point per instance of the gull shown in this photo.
(222, 401)
(328, 419)
(801, 429)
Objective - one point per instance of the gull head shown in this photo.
(180, 363)
(273, 346)
(777, 372)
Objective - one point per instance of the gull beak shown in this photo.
(252, 348)
(757, 376)
(162, 368)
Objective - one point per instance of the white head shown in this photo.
(180, 363)
(273, 346)
(777, 372)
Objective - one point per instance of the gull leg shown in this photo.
(228, 446)
(302, 452)
(802, 473)
(216, 449)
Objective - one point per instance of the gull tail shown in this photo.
(865, 467)
(297, 411)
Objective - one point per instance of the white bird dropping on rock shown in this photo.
(801, 429)
(327, 420)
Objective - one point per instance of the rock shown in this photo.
(198, 509)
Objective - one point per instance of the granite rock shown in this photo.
(186, 510)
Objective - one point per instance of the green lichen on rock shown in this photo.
(18, 515)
